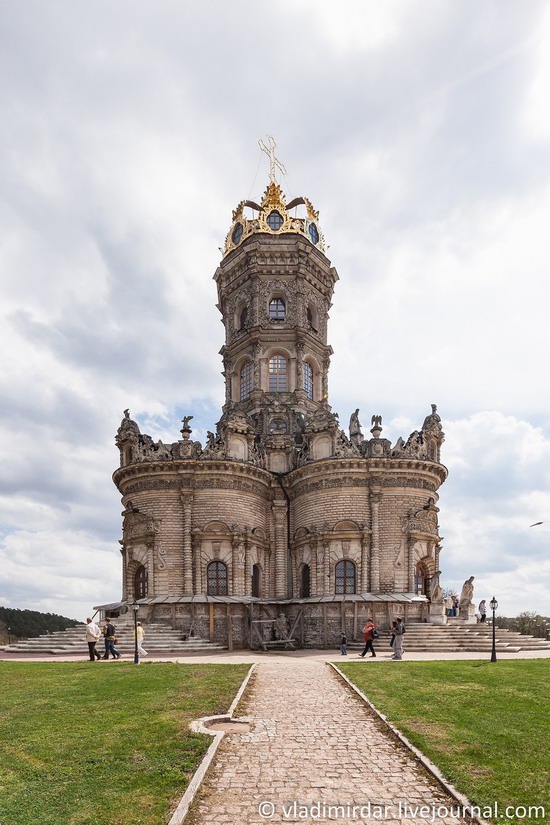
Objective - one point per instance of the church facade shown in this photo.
(282, 520)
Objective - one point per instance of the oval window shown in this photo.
(313, 234)
(275, 221)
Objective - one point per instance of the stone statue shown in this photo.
(280, 627)
(185, 420)
(467, 593)
(436, 593)
(355, 432)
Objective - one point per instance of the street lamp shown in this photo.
(135, 608)
(493, 604)
(9, 635)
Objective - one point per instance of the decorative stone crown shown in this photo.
(274, 218)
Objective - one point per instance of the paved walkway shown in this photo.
(314, 746)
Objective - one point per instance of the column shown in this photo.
(197, 573)
(326, 566)
(365, 561)
(187, 503)
(280, 571)
(375, 499)
(410, 564)
(313, 586)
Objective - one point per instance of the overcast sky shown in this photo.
(128, 133)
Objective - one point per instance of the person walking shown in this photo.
(399, 630)
(109, 634)
(140, 636)
(482, 610)
(92, 637)
(369, 633)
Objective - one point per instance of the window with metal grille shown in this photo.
(277, 374)
(308, 380)
(277, 425)
(275, 221)
(305, 582)
(246, 380)
(216, 579)
(238, 233)
(277, 309)
(140, 583)
(256, 580)
(345, 576)
(313, 234)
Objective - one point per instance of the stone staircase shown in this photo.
(460, 638)
(160, 640)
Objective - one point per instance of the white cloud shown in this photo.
(128, 134)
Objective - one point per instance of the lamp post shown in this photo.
(135, 608)
(9, 635)
(493, 604)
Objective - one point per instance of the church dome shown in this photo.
(273, 216)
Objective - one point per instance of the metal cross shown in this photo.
(273, 162)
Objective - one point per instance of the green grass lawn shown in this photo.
(103, 744)
(485, 725)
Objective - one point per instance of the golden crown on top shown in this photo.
(273, 216)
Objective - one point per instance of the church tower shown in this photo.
(275, 289)
(281, 514)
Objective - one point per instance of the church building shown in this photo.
(282, 525)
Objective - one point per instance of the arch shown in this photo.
(421, 580)
(345, 526)
(259, 533)
(305, 581)
(301, 533)
(141, 586)
(243, 317)
(246, 380)
(278, 373)
(216, 579)
(312, 316)
(256, 581)
(216, 527)
(345, 577)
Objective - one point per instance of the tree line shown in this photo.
(27, 624)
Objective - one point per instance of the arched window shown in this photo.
(345, 577)
(277, 374)
(246, 380)
(305, 582)
(140, 583)
(216, 579)
(243, 318)
(420, 581)
(308, 380)
(256, 573)
(277, 309)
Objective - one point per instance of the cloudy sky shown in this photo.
(128, 132)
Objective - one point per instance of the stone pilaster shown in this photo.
(313, 584)
(375, 499)
(410, 564)
(326, 566)
(280, 571)
(187, 504)
(365, 542)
